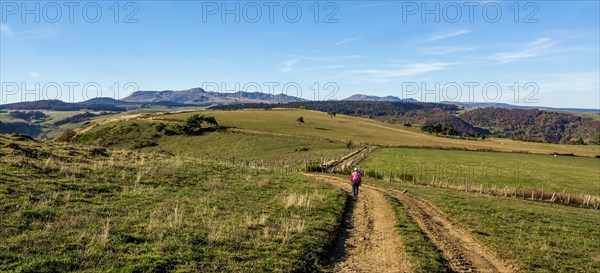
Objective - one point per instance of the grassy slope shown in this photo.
(594, 116)
(225, 145)
(359, 130)
(538, 237)
(576, 175)
(221, 145)
(561, 237)
(64, 209)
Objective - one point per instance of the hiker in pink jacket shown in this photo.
(355, 180)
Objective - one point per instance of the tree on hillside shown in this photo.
(449, 130)
(300, 120)
(193, 125)
(212, 122)
(432, 128)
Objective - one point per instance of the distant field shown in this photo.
(364, 131)
(538, 237)
(69, 208)
(594, 116)
(577, 175)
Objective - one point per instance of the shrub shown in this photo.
(67, 136)
(160, 127)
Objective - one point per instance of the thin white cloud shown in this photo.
(447, 35)
(6, 30)
(333, 58)
(443, 50)
(385, 75)
(34, 74)
(509, 57)
(44, 32)
(288, 65)
(349, 40)
(529, 50)
(544, 42)
(329, 67)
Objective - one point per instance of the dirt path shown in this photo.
(463, 251)
(350, 159)
(370, 242)
(459, 247)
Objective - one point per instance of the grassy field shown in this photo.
(577, 175)
(292, 150)
(65, 207)
(538, 237)
(364, 131)
(594, 116)
(218, 145)
(159, 202)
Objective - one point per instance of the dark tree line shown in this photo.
(20, 128)
(28, 115)
(439, 129)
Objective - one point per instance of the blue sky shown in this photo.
(546, 54)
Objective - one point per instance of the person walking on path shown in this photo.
(355, 180)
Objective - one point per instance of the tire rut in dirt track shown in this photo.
(372, 243)
(459, 247)
(462, 250)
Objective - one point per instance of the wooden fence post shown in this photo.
(588, 200)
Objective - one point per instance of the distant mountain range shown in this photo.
(361, 97)
(200, 97)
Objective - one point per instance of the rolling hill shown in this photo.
(341, 129)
